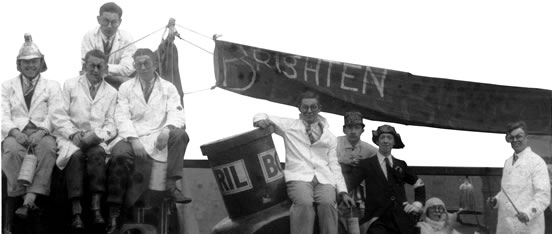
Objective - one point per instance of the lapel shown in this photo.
(137, 89)
(18, 90)
(116, 39)
(377, 168)
(40, 88)
(84, 87)
(156, 91)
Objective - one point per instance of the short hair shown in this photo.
(515, 125)
(95, 53)
(111, 7)
(145, 51)
(307, 94)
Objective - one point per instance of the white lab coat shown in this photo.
(121, 62)
(46, 100)
(527, 183)
(85, 114)
(136, 118)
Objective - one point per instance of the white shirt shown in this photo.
(381, 160)
(304, 160)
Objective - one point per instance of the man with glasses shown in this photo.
(151, 127)
(313, 175)
(114, 42)
(83, 132)
(525, 187)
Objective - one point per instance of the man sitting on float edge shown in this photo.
(312, 172)
(149, 120)
(28, 100)
(82, 134)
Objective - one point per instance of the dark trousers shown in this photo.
(388, 223)
(87, 166)
(129, 176)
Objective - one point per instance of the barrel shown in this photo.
(28, 169)
(248, 171)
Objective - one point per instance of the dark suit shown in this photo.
(384, 197)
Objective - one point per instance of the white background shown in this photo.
(498, 42)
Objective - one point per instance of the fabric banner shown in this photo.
(380, 94)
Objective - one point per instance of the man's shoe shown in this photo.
(97, 217)
(178, 197)
(77, 222)
(22, 212)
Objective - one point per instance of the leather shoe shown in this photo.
(178, 197)
(22, 212)
(98, 218)
(77, 222)
(112, 225)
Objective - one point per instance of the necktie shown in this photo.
(29, 87)
(515, 159)
(147, 90)
(107, 47)
(93, 91)
(310, 134)
(388, 169)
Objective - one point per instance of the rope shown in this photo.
(193, 31)
(164, 32)
(201, 90)
(209, 52)
(134, 42)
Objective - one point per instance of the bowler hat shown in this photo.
(388, 129)
(353, 118)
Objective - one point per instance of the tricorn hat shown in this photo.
(29, 50)
(388, 129)
(353, 118)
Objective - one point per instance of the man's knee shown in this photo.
(76, 157)
(47, 144)
(180, 135)
(10, 145)
(95, 151)
(122, 148)
(303, 202)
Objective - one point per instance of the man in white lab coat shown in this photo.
(83, 132)
(28, 101)
(151, 127)
(525, 187)
(114, 42)
(312, 172)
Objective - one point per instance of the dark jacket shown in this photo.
(385, 198)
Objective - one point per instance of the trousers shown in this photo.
(86, 167)
(129, 176)
(302, 212)
(12, 158)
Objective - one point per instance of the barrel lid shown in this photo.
(235, 141)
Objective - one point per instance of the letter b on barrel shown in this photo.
(270, 165)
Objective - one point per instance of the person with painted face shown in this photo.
(82, 133)
(28, 101)
(387, 209)
(151, 127)
(525, 187)
(312, 172)
(436, 219)
(114, 42)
